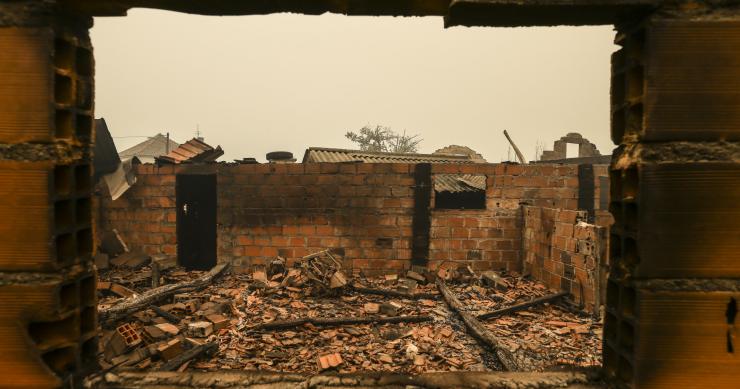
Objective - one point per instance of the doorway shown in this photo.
(196, 220)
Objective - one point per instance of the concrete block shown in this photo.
(703, 242)
(170, 349)
(200, 329)
(219, 322)
(692, 87)
(27, 210)
(683, 337)
(26, 85)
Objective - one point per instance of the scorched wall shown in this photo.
(363, 210)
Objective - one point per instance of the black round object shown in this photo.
(279, 155)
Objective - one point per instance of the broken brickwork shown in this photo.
(47, 281)
(559, 151)
(674, 251)
(565, 253)
(673, 284)
(362, 210)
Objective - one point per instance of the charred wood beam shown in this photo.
(478, 330)
(166, 315)
(192, 353)
(394, 293)
(136, 303)
(340, 321)
(522, 306)
(421, 219)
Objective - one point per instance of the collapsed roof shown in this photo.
(194, 150)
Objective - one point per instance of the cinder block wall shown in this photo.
(674, 280)
(47, 289)
(366, 210)
(565, 252)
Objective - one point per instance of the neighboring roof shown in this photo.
(595, 160)
(323, 154)
(150, 149)
(105, 156)
(194, 150)
(456, 183)
(461, 150)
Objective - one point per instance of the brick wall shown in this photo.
(145, 215)
(565, 252)
(295, 209)
(366, 210)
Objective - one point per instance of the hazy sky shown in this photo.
(255, 84)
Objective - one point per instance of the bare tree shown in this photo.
(383, 139)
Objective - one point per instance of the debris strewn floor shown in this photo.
(549, 334)
(237, 322)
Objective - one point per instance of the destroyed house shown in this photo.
(670, 309)
(382, 217)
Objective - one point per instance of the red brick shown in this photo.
(252, 251)
(297, 242)
(261, 241)
(269, 251)
(329, 168)
(458, 232)
(391, 203)
(170, 249)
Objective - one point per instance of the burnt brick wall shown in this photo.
(274, 209)
(491, 238)
(145, 215)
(366, 210)
(565, 252)
(292, 210)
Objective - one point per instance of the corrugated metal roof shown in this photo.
(194, 150)
(456, 183)
(322, 154)
(149, 149)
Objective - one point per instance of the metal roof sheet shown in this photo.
(194, 150)
(456, 183)
(322, 154)
(149, 149)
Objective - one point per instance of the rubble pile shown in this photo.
(312, 317)
(548, 334)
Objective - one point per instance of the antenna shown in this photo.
(197, 131)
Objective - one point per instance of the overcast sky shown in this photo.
(255, 84)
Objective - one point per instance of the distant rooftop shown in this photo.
(150, 149)
(194, 150)
(324, 154)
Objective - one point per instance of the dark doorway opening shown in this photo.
(460, 200)
(196, 221)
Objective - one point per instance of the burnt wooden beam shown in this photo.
(587, 190)
(522, 306)
(522, 13)
(340, 321)
(478, 330)
(422, 218)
